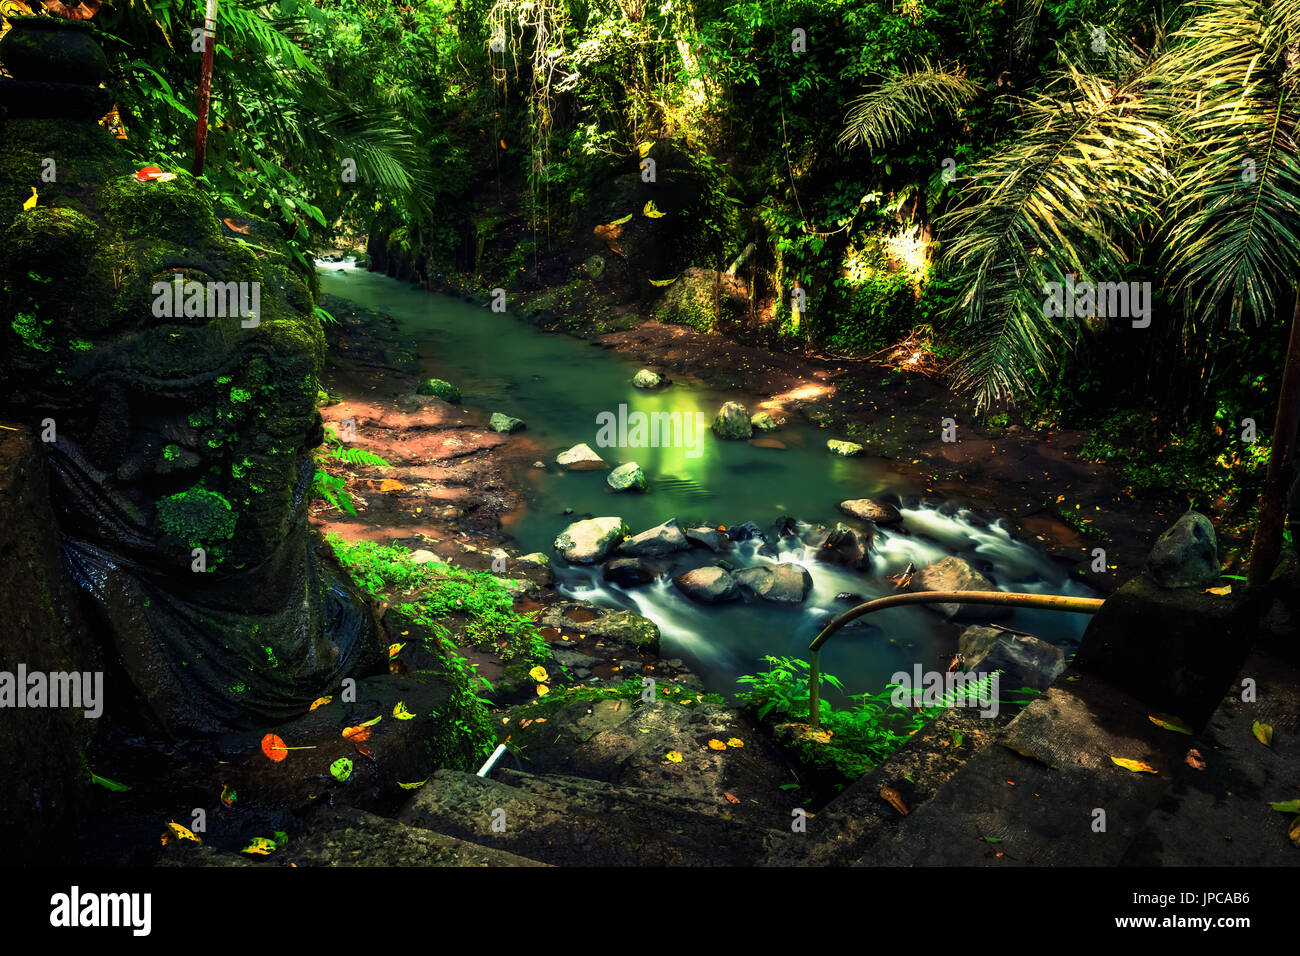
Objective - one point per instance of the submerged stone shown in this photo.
(627, 477)
(500, 422)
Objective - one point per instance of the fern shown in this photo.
(359, 458)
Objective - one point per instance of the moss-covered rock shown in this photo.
(440, 389)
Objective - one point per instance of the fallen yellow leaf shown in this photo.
(735, 742)
(391, 484)
(30, 203)
(674, 756)
(395, 649)
(413, 786)
(320, 702)
(1137, 766)
(180, 832)
(538, 673)
(1225, 590)
(401, 713)
(717, 745)
(652, 211)
(542, 690)
(1263, 733)
(261, 846)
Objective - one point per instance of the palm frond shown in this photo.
(1050, 203)
(891, 109)
(1233, 227)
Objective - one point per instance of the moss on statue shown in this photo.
(198, 518)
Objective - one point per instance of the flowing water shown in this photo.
(559, 385)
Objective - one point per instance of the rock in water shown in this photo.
(647, 379)
(956, 574)
(732, 422)
(586, 542)
(439, 389)
(865, 509)
(661, 539)
(627, 477)
(501, 422)
(788, 583)
(711, 539)
(1025, 660)
(579, 456)
(844, 546)
(763, 422)
(708, 585)
(845, 449)
(1186, 555)
(627, 572)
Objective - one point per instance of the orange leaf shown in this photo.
(731, 799)
(717, 745)
(238, 225)
(894, 799)
(1193, 759)
(274, 747)
(319, 702)
(357, 733)
(391, 484)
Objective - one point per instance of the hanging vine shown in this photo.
(537, 27)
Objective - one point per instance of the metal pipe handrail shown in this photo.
(1050, 602)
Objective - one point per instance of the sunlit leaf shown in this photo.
(261, 846)
(538, 673)
(717, 745)
(1263, 733)
(1137, 766)
(401, 713)
(319, 702)
(652, 211)
(413, 786)
(182, 833)
(395, 649)
(673, 756)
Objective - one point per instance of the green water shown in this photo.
(559, 385)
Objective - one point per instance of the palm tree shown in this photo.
(1191, 147)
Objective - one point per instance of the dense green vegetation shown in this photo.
(920, 167)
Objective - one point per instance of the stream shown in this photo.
(559, 384)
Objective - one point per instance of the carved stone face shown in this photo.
(180, 438)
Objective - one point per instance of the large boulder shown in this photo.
(787, 583)
(580, 456)
(709, 585)
(957, 574)
(1026, 661)
(661, 539)
(588, 541)
(1186, 555)
(867, 509)
(627, 477)
(732, 422)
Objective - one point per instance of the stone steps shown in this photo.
(1033, 796)
(563, 821)
(1220, 816)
